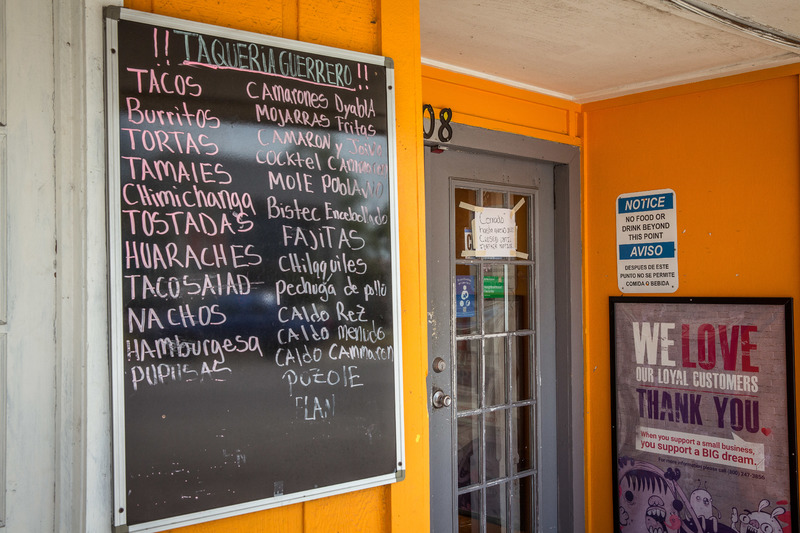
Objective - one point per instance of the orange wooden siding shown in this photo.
(729, 150)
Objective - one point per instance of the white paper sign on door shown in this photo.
(494, 231)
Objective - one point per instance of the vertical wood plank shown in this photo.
(399, 24)
(349, 24)
(364, 511)
(30, 334)
(291, 22)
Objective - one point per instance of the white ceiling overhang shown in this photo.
(583, 50)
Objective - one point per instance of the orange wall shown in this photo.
(729, 150)
(389, 28)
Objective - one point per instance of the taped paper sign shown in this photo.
(494, 231)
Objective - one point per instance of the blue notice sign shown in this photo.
(647, 242)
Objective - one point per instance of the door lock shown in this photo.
(439, 365)
(440, 399)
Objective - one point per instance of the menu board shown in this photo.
(254, 303)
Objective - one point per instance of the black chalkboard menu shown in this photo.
(254, 307)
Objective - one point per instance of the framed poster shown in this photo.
(703, 419)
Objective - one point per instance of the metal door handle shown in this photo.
(440, 399)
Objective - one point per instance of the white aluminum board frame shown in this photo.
(112, 16)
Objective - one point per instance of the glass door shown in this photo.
(495, 391)
(504, 383)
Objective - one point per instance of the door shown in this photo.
(492, 374)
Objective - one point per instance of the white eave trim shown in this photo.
(605, 93)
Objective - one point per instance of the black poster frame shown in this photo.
(667, 470)
(375, 419)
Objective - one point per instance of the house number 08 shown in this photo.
(445, 132)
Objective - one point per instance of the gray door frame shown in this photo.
(569, 438)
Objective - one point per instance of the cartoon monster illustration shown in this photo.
(757, 521)
(701, 502)
(650, 500)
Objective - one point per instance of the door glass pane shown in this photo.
(463, 221)
(494, 349)
(523, 445)
(466, 313)
(522, 216)
(495, 445)
(469, 512)
(496, 509)
(468, 450)
(521, 505)
(522, 368)
(506, 297)
(522, 220)
(495, 302)
(518, 297)
(468, 374)
(494, 199)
